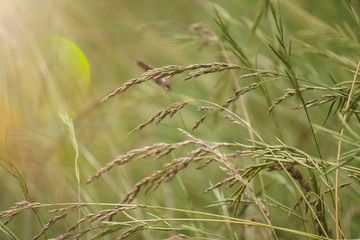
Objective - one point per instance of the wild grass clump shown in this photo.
(267, 152)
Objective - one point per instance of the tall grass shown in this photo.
(259, 142)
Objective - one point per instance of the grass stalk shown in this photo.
(337, 172)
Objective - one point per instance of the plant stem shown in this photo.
(337, 172)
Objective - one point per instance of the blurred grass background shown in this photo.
(61, 56)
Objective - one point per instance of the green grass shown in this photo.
(257, 139)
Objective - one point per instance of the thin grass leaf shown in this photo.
(7, 232)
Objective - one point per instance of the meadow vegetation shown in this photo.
(180, 119)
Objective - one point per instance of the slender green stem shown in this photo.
(337, 172)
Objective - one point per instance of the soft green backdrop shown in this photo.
(61, 56)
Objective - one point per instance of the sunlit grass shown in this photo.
(260, 141)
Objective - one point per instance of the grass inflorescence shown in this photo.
(269, 150)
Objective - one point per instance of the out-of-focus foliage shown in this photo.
(64, 56)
